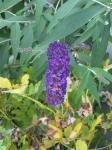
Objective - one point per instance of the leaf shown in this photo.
(76, 130)
(25, 79)
(42, 147)
(81, 145)
(55, 132)
(96, 122)
(11, 20)
(4, 54)
(26, 43)
(83, 85)
(27, 36)
(99, 48)
(99, 72)
(38, 31)
(78, 127)
(62, 12)
(67, 131)
(39, 64)
(71, 23)
(39, 8)
(2, 145)
(93, 88)
(19, 88)
(8, 4)
(5, 83)
(15, 38)
(49, 143)
(84, 36)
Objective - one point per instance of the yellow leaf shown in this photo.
(42, 147)
(76, 130)
(54, 132)
(25, 79)
(78, 127)
(96, 122)
(5, 83)
(49, 143)
(109, 116)
(67, 131)
(72, 135)
(66, 105)
(57, 119)
(81, 145)
(20, 88)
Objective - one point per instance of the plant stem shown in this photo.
(102, 4)
(102, 148)
(57, 6)
(38, 103)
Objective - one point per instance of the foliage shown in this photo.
(84, 120)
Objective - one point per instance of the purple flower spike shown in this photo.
(56, 73)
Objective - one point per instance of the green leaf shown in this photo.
(39, 9)
(15, 38)
(93, 88)
(99, 49)
(71, 23)
(82, 86)
(62, 12)
(81, 145)
(2, 146)
(27, 36)
(99, 72)
(76, 69)
(7, 4)
(38, 31)
(14, 19)
(26, 43)
(4, 40)
(84, 36)
(39, 66)
(4, 54)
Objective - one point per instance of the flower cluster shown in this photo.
(56, 73)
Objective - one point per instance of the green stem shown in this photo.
(102, 148)
(38, 103)
(57, 6)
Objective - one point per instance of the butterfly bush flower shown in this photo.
(56, 73)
